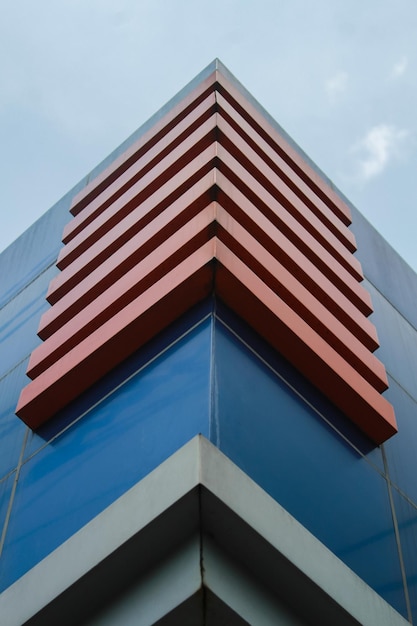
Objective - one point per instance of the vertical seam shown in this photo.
(397, 537)
(13, 492)
(214, 434)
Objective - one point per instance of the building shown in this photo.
(206, 436)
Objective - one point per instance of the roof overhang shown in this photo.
(197, 542)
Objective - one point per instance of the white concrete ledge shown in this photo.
(197, 492)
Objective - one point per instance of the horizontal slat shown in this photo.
(123, 230)
(87, 288)
(246, 294)
(192, 147)
(172, 251)
(248, 166)
(127, 256)
(177, 159)
(302, 239)
(266, 312)
(300, 300)
(128, 287)
(287, 151)
(151, 136)
(126, 332)
(139, 168)
(274, 240)
(230, 123)
(87, 237)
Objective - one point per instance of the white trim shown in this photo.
(201, 466)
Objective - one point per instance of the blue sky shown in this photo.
(78, 76)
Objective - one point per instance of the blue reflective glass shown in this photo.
(6, 485)
(400, 450)
(407, 525)
(35, 250)
(19, 321)
(12, 429)
(290, 451)
(84, 403)
(309, 392)
(133, 430)
(398, 339)
(384, 268)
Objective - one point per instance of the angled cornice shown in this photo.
(205, 524)
(210, 199)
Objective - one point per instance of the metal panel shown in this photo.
(285, 172)
(283, 444)
(287, 151)
(406, 514)
(174, 112)
(132, 227)
(12, 431)
(196, 149)
(88, 466)
(304, 348)
(144, 245)
(283, 249)
(146, 159)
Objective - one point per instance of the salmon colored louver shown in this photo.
(212, 197)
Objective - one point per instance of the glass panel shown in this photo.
(400, 450)
(35, 250)
(384, 267)
(12, 428)
(398, 341)
(79, 473)
(290, 451)
(19, 322)
(6, 485)
(407, 524)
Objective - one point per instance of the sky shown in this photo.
(79, 76)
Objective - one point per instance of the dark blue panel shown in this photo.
(88, 400)
(288, 449)
(19, 321)
(6, 485)
(407, 524)
(78, 474)
(298, 382)
(400, 450)
(398, 339)
(384, 267)
(35, 250)
(12, 429)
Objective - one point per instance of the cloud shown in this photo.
(381, 144)
(400, 67)
(336, 85)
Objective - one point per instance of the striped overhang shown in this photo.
(211, 199)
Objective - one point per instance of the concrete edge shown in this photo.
(196, 463)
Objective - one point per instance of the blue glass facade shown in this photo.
(286, 444)
(67, 478)
(209, 373)
(393, 287)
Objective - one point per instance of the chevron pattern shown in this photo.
(211, 199)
